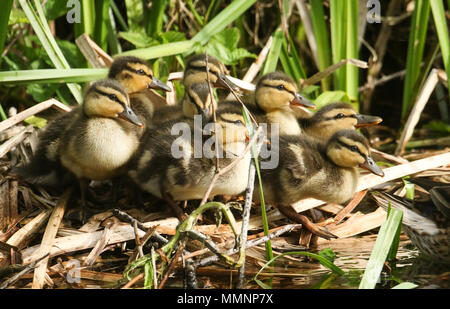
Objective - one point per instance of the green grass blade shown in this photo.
(223, 19)
(437, 8)
(322, 38)
(4, 18)
(249, 124)
(291, 62)
(197, 17)
(274, 53)
(51, 76)
(119, 16)
(416, 44)
(87, 19)
(154, 21)
(212, 9)
(386, 237)
(101, 23)
(352, 80)
(113, 41)
(47, 40)
(338, 20)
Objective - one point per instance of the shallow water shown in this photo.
(352, 256)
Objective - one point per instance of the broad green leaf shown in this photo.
(38, 122)
(17, 16)
(138, 39)
(55, 8)
(331, 97)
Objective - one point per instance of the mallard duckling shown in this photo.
(182, 167)
(307, 168)
(93, 141)
(425, 223)
(136, 76)
(334, 117)
(275, 94)
(101, 139)
(195, 72)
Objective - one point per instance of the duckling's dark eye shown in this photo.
(140, 71)
(113, 97)
(280, 87)
(339, 116)
(354, 148)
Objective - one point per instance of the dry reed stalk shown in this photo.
(417, 109)
(48, 239)
(23, 236)
(5, 124)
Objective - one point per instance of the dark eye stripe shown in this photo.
(350, 148)
(136, 71)
(345, 116)
(116, 99)
(276, 87)
(203, 69)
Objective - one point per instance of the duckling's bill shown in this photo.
(130, 116)
(367, 120)
(157, 84)
(300, 100)
(372, 167)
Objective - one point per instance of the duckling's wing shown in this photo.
(44, 167)
(44, 172)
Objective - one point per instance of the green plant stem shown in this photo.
(101, 23)
(155, 19)
(4, 18)
(338, 20)
(352, 49)
(274, 53)
(42, 30)
(119, 16)
(416, 44)
(322, 38)
(437, 8)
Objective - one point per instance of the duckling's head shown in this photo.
(277, 90)
(230, 125)
(134, 74)
(349, 148)
(109, 99)
(337, 116)
(198, 101)
(195, 72)
(233, 127)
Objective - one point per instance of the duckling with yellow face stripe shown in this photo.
(275, 95)
(309, 169)
(334, 117)
(101, 139)
(195, 73)
(136, 76)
